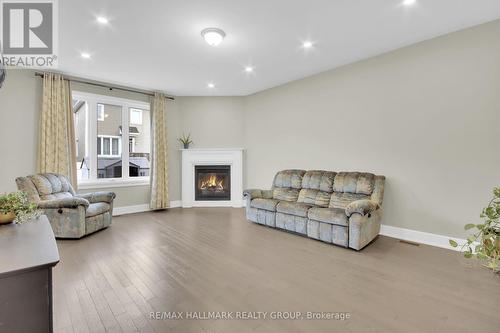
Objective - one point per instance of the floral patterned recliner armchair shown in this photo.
(71, 215)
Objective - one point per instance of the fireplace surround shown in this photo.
(212, 177)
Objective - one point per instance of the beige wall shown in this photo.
(426, 116)
(20, 99)
(213, 121)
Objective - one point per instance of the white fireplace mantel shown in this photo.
(212, 156)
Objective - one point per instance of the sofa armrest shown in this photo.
(74, 202)
(362, 207)
(252, 194)
(98, 197)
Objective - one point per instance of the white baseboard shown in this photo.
(385, 230)
(175, 203)
(420, 237)
(130, 209)
(117, 211)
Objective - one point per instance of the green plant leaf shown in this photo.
(467, 255)
(490, 212)
(469, 226)
(453, 243)
(482, 256)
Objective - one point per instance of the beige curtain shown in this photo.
(159, 172)
(56, 144)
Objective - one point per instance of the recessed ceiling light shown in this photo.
(211, 85)
(85, 55)
(213, 36)
(249, 69)
(307, 44)
(102, 20)
(409, 2)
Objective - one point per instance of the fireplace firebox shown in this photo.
(212, 182)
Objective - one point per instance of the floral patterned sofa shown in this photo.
(70, 215)
(342, 208)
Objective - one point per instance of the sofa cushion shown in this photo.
(266, 204)
(335, 216)
(341, 200)
(50, 183)
(97, 209)
(318, 180)
(289, 179)
(354, 182)
(314, 197)
(285, 194)
(54, 182)
(293, 208)
(42, 184)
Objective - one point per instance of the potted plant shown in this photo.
(484, 244)
(16, 207)
(186, 140)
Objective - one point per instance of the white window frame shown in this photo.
(126, 104)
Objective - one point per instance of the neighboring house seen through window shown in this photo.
(100, 112)
(102, 125)
(135, 116)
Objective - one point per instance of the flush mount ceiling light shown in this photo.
(85, 55)
(213, 36)
(102, 20)
(307, 44)
(211, 85)
(249, 69)
(409, 2)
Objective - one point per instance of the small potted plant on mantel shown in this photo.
(186, 140)
(16, 207)
(484, 244)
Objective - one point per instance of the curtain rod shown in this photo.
(104, 85)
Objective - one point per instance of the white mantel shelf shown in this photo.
(212, 156)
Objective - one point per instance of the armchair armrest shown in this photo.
(363, 207)
(253, 193)
(63, 203)
(98, 197)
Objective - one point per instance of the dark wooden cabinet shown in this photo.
(28, 252)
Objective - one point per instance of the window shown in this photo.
(136, 116)
(139, 143)
(113, 140)
(108, 146)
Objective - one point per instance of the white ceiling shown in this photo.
(156, 44)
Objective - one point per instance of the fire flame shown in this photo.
(212, 183)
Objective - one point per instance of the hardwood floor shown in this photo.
(212, 259)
